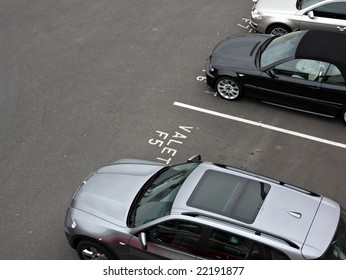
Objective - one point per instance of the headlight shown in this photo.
(69, 221)
(73, 223)
(256, 14)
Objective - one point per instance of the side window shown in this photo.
(177, 234)
(222, 245)
(334, 76)
(332, 10)
(287, 68)
(274, 254)
(264, 252)
(307, 69)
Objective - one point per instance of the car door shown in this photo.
(224, 245)
(294, 84)
(333, 92)
(330, 17)
(174, 239)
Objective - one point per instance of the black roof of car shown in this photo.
(324, 46)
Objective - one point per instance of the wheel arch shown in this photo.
(278, 24)
(227, 73)
(343, 115)
(78, 239)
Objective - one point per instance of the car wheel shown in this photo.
(343, 115)
(278, 30)
(90, 250)
(229, 88)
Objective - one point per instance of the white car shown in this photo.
(280, 17)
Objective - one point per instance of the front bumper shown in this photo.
(253, 25)
(210, 78)
(68, 227)
(256, 24)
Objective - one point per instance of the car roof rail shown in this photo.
(256, 231)
(298, 189)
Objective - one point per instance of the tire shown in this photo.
(90, 250)
(278, 29)
(229, 88)
(343, 115)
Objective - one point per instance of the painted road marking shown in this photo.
(169, 143)
(248, 27)
(262, 125)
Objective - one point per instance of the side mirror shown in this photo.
(195, 158)
(271, 74)
(311, 14)
(143, 240)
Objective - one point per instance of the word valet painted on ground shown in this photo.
(169, 144)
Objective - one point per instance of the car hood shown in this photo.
(277, 7)
(237, 51)
(109, 192)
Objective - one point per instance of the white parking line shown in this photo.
(258, 124)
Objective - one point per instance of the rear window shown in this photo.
(229, 195)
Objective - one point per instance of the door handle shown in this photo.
(314, 87)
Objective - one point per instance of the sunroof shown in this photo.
(229, 195)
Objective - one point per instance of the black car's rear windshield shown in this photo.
(229, 195)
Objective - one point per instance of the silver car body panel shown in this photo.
(324, 224)
(101, 205)
(285, 12)
(109, 192)
(275, 214)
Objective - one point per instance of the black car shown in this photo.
(303, 70)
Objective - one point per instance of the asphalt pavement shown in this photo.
(84, 83)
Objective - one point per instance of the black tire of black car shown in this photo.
(343, 116)
(280, 29)
(85, 244)
(234, 84)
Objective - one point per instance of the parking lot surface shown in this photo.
(84, 83)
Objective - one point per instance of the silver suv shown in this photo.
(280, 17)
(135, 209)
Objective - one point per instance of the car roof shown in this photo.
(286, 213)
(324, 46)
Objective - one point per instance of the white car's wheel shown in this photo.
(278, 30)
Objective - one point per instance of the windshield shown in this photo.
(157, 196)
(337, 250)
(302, 4)
(280, 49)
